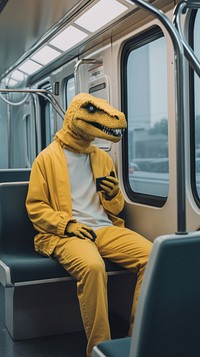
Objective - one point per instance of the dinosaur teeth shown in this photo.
(118, 132)
(114, 132)
(108, 131)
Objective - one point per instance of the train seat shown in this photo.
(14, 175)
(168, 314)
(38, 291)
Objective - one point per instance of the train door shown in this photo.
(143, 63)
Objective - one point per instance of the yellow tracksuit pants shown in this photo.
(83, 260)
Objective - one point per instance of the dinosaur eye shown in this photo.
(91, 108)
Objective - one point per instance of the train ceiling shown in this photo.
(23, 22)
(35, 32)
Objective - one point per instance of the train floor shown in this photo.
(67, 345)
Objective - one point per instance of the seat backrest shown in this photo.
(14, 175)
(167, 321)
(16, 230)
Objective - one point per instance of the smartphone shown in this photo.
(98, 183)
(100, 179)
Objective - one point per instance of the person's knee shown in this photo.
(147, 249)
(95, 268)
(145, 255)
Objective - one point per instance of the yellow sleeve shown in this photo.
(41, 204)
(114, 206)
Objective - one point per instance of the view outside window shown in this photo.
(49, 117)
(197, 103)
(70, 90)
(49, 123)
(148, 119)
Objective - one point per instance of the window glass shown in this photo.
(5, 142)
(49, 118)
(28, 139)
(48, 127)
(70, 90)
(146, 87)
(197, 104)
(49, 123)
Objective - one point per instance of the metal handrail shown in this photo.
(76, 69)
(43, 93)
(180, 9)
(180, 113)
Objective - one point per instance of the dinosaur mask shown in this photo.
(89, 117)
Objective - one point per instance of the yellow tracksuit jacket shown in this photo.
(49, 200)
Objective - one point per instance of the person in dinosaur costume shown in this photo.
(77, 224)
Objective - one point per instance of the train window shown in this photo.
(145, 144)
(48, 127)
(4, 134)
(195, 110)
(49, 123)
(27, 119)
(70, 90)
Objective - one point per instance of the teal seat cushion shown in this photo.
(32, 266)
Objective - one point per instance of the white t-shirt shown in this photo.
(86, 206)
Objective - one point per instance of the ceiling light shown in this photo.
(100, 14)
(17, 75)
(45, 55)
(30, 67)
(11, 82)
(68, 38)
(130, 2)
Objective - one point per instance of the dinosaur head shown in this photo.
(88, 117)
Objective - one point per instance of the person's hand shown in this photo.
(110, 185)
(80, 230)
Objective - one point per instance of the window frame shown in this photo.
(134, 43)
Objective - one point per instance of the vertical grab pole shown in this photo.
(179, 56)
(181, 8)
